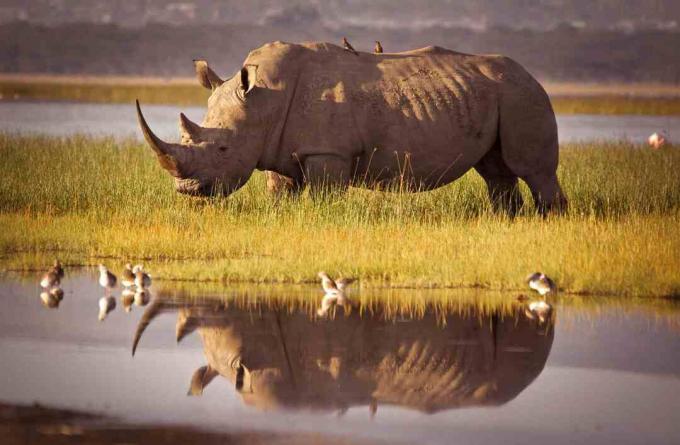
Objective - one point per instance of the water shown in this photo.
(66, 118)
(605, 373)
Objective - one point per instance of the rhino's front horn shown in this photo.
(166, 152)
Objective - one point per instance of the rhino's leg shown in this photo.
(279, 185)
(326, 174)
(529, 139)
(501, 182)
(546, 192)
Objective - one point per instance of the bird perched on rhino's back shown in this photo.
(348, 47)
(312, 114)
(378, 48)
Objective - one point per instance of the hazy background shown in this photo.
(596, 40)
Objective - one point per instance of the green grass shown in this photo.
(188, 92)
(97, 200)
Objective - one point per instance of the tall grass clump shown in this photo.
(84, 198)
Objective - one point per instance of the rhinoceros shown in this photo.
(278, 358)
(324, 117)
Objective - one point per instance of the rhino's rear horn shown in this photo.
(189, 130)
(164, 151)
(206, 77)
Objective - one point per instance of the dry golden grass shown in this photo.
(66, 198)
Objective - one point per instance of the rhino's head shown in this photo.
(219, 157)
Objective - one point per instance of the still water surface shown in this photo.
(470, 375)
(66, 118)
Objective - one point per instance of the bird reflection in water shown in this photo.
(52, 297)
(281, 358)
(127, 297)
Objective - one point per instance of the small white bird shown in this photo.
(106, 305)
(50, 279)
(127, 297)
(142, 297)
(127, 278)
(335, 292)
(142, 279)
(541, 283)
(656, 141)
(58, 269)
(107, 280)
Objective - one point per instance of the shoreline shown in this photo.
(567, 97)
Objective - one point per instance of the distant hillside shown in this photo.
(563, 53)
(396, 14)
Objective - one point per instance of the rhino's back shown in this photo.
(438, 108)
(421, 81)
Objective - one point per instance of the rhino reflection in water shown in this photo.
(289, 359)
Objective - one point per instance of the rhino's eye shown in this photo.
(223, 148)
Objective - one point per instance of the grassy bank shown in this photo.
(105, 91)
(89, 200)
(567, 98)
(617, 105)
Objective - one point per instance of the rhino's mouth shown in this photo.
(206, 188)
(194, 187)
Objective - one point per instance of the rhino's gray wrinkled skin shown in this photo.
(321, 116)
(277, 358)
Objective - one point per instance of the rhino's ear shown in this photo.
(248, 78)
(202, 376)
(206, 77)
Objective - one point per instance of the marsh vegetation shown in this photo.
(82, 199)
